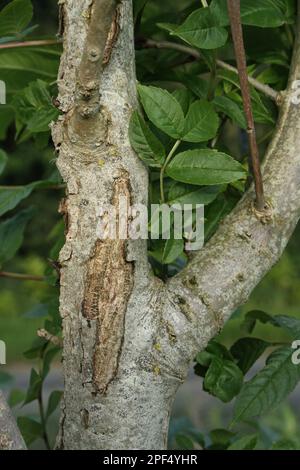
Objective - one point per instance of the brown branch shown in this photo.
(45, 42)
(267, 90)
(21, 277)
(238, 41)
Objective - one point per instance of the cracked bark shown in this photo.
(10, 436)
(148, 331)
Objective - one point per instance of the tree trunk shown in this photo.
(128, 338)
(114, 395)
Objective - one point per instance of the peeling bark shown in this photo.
(128, 338)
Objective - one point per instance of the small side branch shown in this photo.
(37, 43)
(10, 436)
(265, 89)
(21, 277)
(234, 10)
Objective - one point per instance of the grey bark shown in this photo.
(10, 436)
(129, 339)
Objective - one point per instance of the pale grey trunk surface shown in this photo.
(10, 436)
(129, 339)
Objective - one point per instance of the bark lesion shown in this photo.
(108, 285)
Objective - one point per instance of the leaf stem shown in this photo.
(43, 420)
(204, 3)
(163, 169)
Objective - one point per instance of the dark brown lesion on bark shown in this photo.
(108, 285)
(112, 37)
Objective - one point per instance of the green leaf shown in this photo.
(231, 109)
(15, 17)
(217, 211)
(48, 358)
(221, 437)
(184, 442)
(34, 389)
(138, 7)
(261, 13)
(252, 317)
(30, 429)
(145, 143)
(247, 351)
(285, 444)
(197, 85)
(173, 249)
(184, 98)
(3, 161)
(6, 118)
(10, 197)
(290, 324)
(188, 194)
(53, 402)
(11, 234)
(244, 443)
(163, 110)
(223, 379)
(16, 397)
(5, 378)
(205, 167)
(201, 122)
(37, 350)
(34, 108)
(201, 30)
(269, 387)
(20, 67)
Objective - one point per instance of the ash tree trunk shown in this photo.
(128, 338)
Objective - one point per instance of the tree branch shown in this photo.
(42, 42)
(234, 10)
(10, 436)
(222, 275)
(21, 277)
(267, 90)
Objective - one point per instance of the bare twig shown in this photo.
(238, 41)
(21, 277)
(267, 90)
(55, 187)
(44, 42)
(42, 333)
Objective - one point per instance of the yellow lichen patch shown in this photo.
(156, 370)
